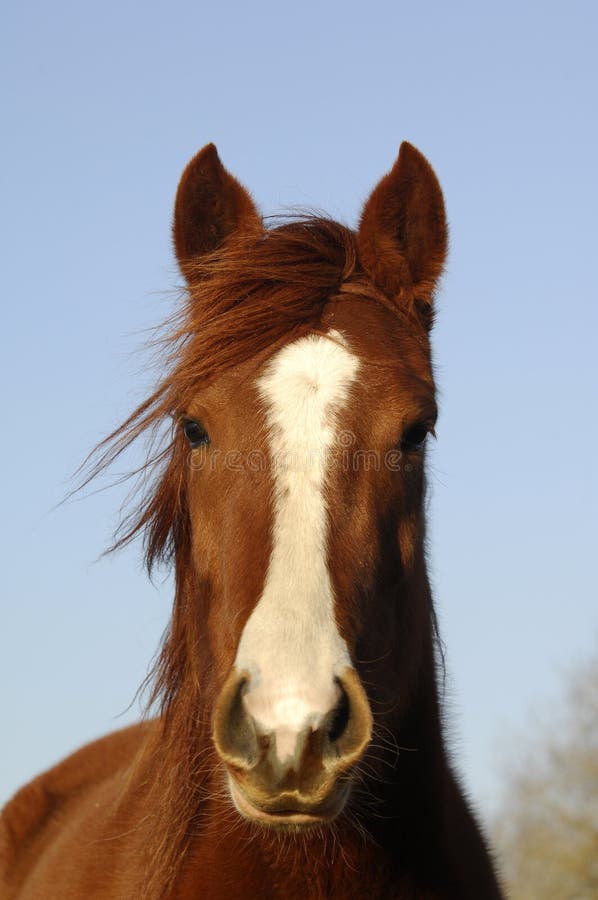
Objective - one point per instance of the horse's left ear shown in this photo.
(210, 205)
(403, 232)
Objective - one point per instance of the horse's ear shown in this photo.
(403, 232)
(210, 205)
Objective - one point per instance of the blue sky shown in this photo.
(308, 104)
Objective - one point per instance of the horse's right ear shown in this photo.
(210, 205)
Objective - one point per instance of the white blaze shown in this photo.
(291, 645)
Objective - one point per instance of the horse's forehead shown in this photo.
(385, 346)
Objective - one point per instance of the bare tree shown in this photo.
(547, 830)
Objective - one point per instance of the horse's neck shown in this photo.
(233, 859)
(362, 855)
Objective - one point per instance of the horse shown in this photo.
(295, 746)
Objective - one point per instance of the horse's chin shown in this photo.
(287, 812)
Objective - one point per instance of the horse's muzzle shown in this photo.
(306, 785)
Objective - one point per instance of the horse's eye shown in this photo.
(195, 433)
(414, 437)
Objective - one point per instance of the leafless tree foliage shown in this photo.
(547, 830)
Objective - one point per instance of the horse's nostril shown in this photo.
(339, 718)
(234, 731)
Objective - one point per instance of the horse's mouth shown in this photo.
(289, 811)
